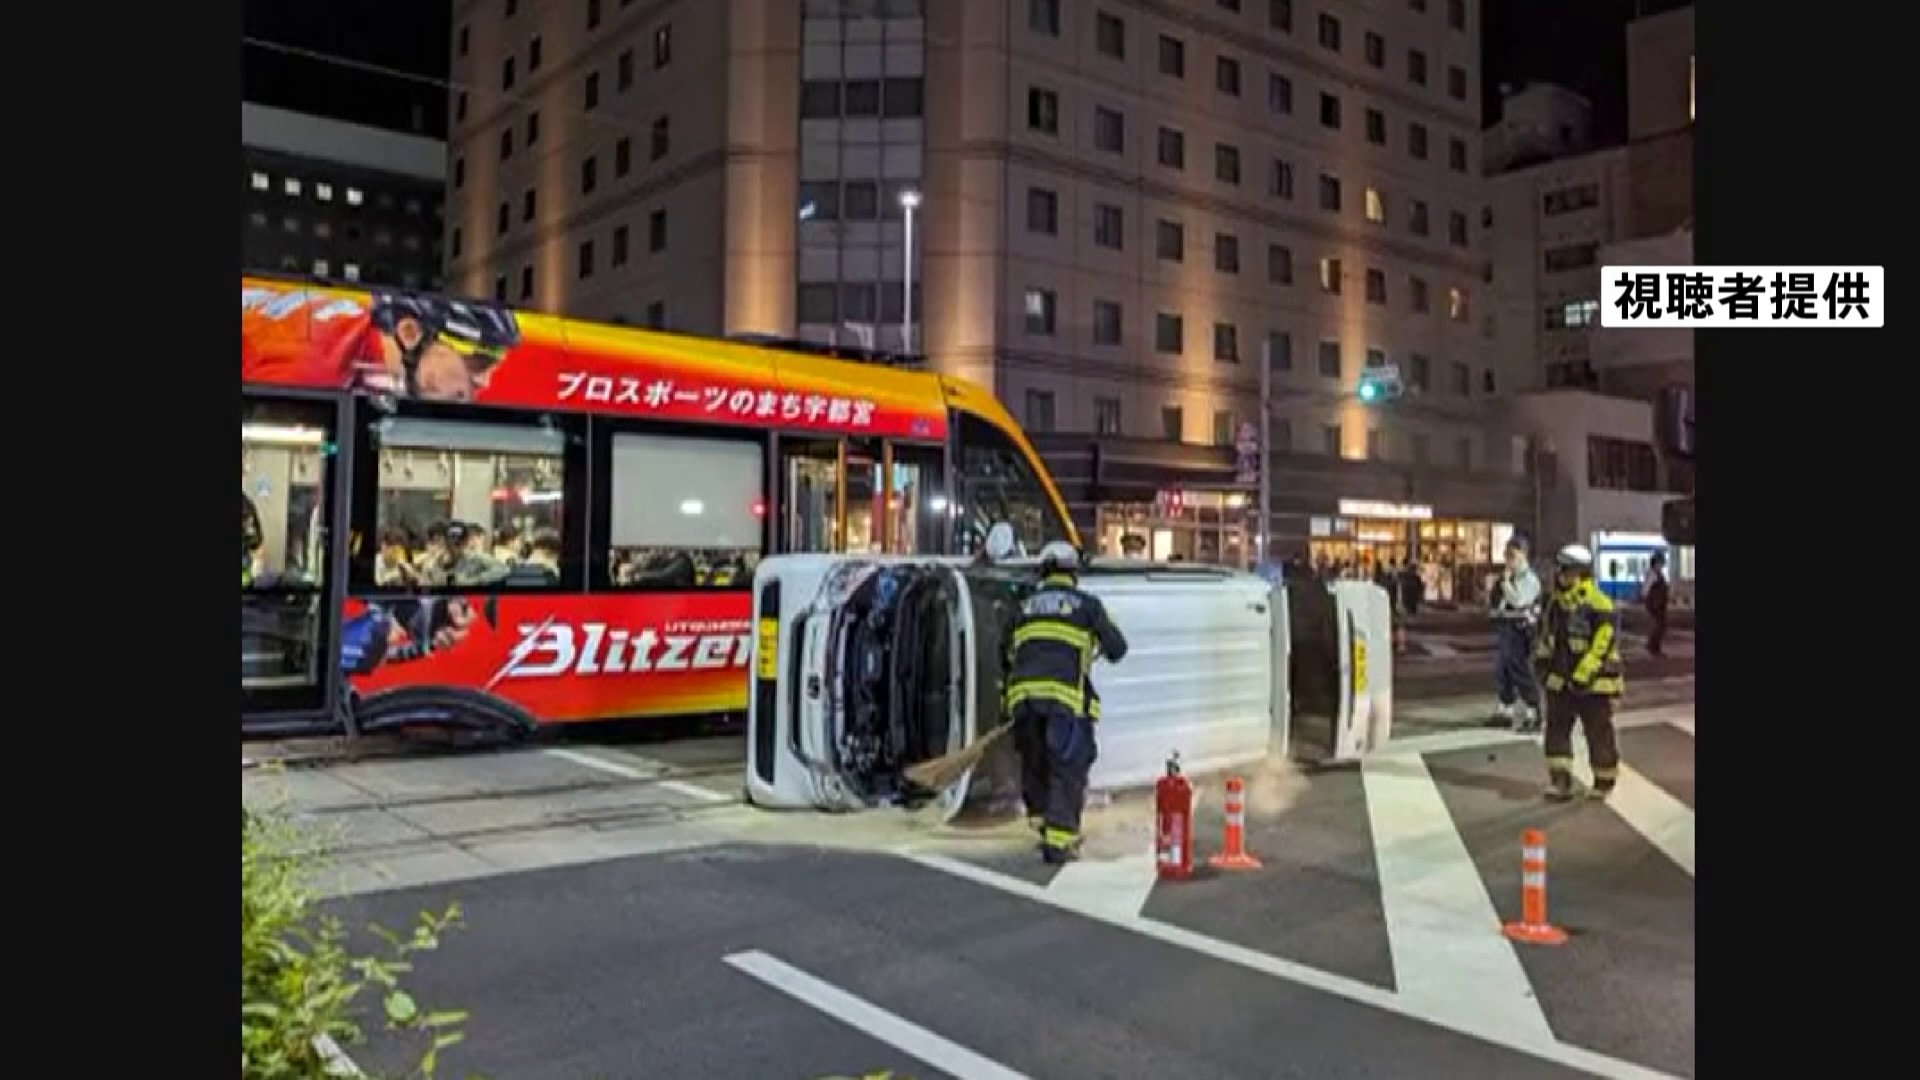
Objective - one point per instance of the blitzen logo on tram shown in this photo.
(552, 648)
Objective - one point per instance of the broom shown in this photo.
(936, 773)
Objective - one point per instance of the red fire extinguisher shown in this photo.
(1173, 822)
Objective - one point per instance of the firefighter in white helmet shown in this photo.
(1579, 658)
(1051, 698)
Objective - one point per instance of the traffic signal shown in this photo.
(1378, 383)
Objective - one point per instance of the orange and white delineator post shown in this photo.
(1235, 856)
(1533, 927)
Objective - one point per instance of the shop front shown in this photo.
(1208, 527)
(1456, 558)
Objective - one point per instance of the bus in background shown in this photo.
(456, 514)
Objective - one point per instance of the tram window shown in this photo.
(997, 484)
(686, 513)
(283, 469)
(470, 505)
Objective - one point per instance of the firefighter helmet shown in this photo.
(1574, 557)
(1059, 556)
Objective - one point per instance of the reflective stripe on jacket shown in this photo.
(1051, 650)
(1580, 642)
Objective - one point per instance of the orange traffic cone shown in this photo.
(1533, 927)
(1235, 857)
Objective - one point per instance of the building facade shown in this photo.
(329, 199)
(1120, 207)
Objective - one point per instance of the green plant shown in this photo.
(300, 985)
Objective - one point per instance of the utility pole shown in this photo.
(1262, 544)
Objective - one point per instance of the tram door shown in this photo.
(861, 496)
(289, 507)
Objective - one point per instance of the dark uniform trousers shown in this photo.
(1053, 703)
(1579, 646)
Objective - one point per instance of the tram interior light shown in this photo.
(693, 507)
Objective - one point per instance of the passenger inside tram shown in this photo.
(683, 568)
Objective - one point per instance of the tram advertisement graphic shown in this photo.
(428, 347)
(557, 658)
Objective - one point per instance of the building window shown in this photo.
(526, 283)
(1487, 385)
(1457, 304)
(459, 173)
(663, 46)
(506, 143)
(1279, 93)
(1567, 200)
(1039, 410)
(589, 175)
(291, 186)
(1229, 5)
(1329, 111)
(901, 99)
(1416, 67)
(460, 106)
(1417, 218)
(1456, 83)
(1570, 257)
(1043, 17)
(1421, 372)
(586, 259)
(1226, 343)
(1169, 333)
(1279, 264)
(1621, 464)
(1417, 290)
(1226, 76)
(593, 14)
(1222, 428)
(1043, 111)
(1106, 416)
(1172, 149)
(321, 268)
(1376, 127)
(503, 219)
(863, 97)
(816, 304)
(453, 243)
(1329, 359)
(1457, 229)
(623, 70)
(1376, 206)
(1040, 311)
(1330, 440)
(506, 73)
(819, 200)
(1457, 155)
(1226, 253)
(1376, 286)
(1226, 163)
(1376, 445)
(258, 218)
(1280, 350)
(1280, 15)
(619, 245)
(533, 128)
(622, 156)
(1106, 322)
(1169, 241)
(1280, 179)
(1375, 47)
(500, 288)
(1330, 275)
(1173, 57)
(1417, 141)
(351, 271)
(1109, 226)
(1043, 211)
(533, 55)
(862, 200)
(261, 182)
(1329, 32)
(1329, 193)
(1109, 131)
(662, 138)
(1172, 423)
(1457, 14)
(657, 315)
(657, 231)
(1110, 35)
(526, 205)
(465, 40)
(592, 93)
(819, 100)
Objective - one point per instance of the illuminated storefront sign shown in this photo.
(1366, 508)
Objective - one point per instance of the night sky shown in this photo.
(1579, 44)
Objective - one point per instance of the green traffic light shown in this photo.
(1369, 391)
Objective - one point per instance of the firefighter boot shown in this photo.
(1559, 786)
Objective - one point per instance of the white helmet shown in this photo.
(1060, 555)
(1574, 556)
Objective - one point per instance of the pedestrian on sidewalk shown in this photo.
(1413, 588)
(1654, 596)
(1515, 610)
(1580, 650)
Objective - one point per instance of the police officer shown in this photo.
(1579, 652)
(1515, 612)
(1054, 641)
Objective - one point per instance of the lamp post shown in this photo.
(909, 202)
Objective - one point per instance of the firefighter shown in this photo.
(1579, 654)
(1050, 695)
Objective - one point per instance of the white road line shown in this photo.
(1353, 990)
(1449, 957)
(1117, 887)
(334, 1060)
(680, 787)
(1440, 649)
(1666, 822)
(864, 1016)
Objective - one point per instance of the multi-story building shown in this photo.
(1118, 207)
(338, 200)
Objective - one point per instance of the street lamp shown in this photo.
(909, 202)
